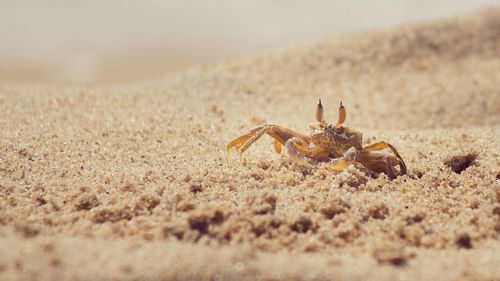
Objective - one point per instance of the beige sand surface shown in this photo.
(130, 182)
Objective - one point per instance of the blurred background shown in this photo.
(96, 42)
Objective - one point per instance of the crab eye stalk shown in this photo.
(342, 115)
(319, 112)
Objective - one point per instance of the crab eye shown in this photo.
(342, 115)
(319, 112)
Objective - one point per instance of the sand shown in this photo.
(130, 181)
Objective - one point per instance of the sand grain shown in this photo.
(131, 181)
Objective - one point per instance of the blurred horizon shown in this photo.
(93, 42)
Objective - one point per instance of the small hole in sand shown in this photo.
(459, 163)
(464, 241)
(195, 188)
(302, 225)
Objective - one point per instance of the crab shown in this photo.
(335, 144)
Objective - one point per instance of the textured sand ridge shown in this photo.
(131, 181)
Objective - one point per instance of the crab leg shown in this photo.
(383, 145)
(375, 162)
(379, 163)
(280, 135)
(340, 164)
(298, 151)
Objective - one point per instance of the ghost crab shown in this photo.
(336, 144)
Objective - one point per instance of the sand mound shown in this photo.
(131, 181)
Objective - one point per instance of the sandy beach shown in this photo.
(131, 182)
